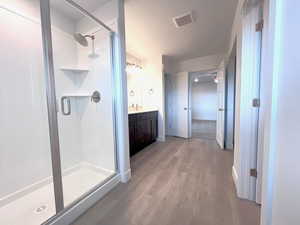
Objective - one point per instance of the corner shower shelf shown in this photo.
(77, 70)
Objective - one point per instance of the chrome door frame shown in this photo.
(51, 104)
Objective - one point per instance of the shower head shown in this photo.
(81, 39)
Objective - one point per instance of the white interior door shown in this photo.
(221, 109)
(181, 105)
(247, 110)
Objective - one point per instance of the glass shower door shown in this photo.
(83, 84)
(26, 178)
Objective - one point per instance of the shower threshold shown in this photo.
(38, 206)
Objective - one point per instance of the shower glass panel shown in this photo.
(83, 76)
(26, 181)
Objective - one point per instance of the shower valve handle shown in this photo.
(96, 97)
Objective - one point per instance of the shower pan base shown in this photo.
(38, 206)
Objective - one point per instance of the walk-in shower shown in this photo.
(57, 117)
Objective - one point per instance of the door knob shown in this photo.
(185, 108)
(221, 110)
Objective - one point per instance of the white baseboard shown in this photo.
(161, 139)
(203, 119)
(235, 178)
(126, 176)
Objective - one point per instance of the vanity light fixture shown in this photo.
(196, 80)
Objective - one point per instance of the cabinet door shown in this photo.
(132, 139)
(132, 132)
(154, 132)
(143, 133)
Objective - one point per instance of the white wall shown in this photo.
(204, 101)
(199, 64)
(137, 84)
(154, 71)
(140, 84)
(281, 186)
(151, 77)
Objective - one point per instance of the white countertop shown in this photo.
(132, 111)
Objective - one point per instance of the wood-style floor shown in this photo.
(178, 182)
(204, 129)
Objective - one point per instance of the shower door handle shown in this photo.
(63, 106)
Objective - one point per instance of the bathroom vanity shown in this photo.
(143, 129)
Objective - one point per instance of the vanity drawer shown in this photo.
(142, 116)
(147, 115)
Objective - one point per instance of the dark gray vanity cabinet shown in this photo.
(143, 130)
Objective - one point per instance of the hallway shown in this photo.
(204, 129)
(178, 182)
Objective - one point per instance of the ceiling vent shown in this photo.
(183, 20)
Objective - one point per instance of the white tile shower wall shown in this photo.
(98, 144)
(65, 53)
(25, 152)
(23, 115)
